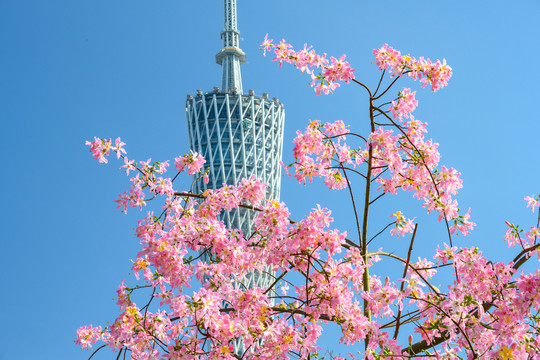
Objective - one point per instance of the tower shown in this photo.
(238, 134)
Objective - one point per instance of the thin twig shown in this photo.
(99, 348)
(380, 81)
(392, 84)
(380, 232)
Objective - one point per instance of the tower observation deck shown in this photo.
(238, 134)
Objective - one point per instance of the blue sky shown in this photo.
(72, 70)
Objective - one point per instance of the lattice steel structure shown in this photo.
(239, 136)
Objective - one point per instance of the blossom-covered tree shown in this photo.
(196, 309)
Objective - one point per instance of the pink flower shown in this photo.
(532, 235)
(266, 45)
(463, 224)
(162, 167)
(146, 167)
(286, 168)
(382, 297)
(532, 202)
(194, 162)
(403, 225)
(87, 335)
(252, 190)
(128, 164)
(335, 181)
(123, 297)
(122, 202)
(118, 147)
(446, 254)
(100, 148)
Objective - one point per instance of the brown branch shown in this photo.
(404, 275)
(364, 86)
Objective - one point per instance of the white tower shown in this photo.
(238, 134)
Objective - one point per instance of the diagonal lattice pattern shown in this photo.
(239, 136)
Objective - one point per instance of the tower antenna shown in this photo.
(231, 56)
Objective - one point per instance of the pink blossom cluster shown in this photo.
(320, 276)
(188, 321)
(148, 172)
(88, 335)
(516, 236)
(435, 73)
(412, 161)
(165, 247)
(193, 161)
(382, 297)
(513, 235)
(416, 279)
(403, 225)
(145, 178)
(462, 223)
(101, 148)
(325, 74)
(481, 286)
(277, 244)
(405, 104)
(315, 141)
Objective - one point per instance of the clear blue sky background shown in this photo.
(71, 70)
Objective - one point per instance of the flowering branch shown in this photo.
(317, 274)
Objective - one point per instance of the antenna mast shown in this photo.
(231, 56)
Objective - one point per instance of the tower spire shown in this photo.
(231, 56)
